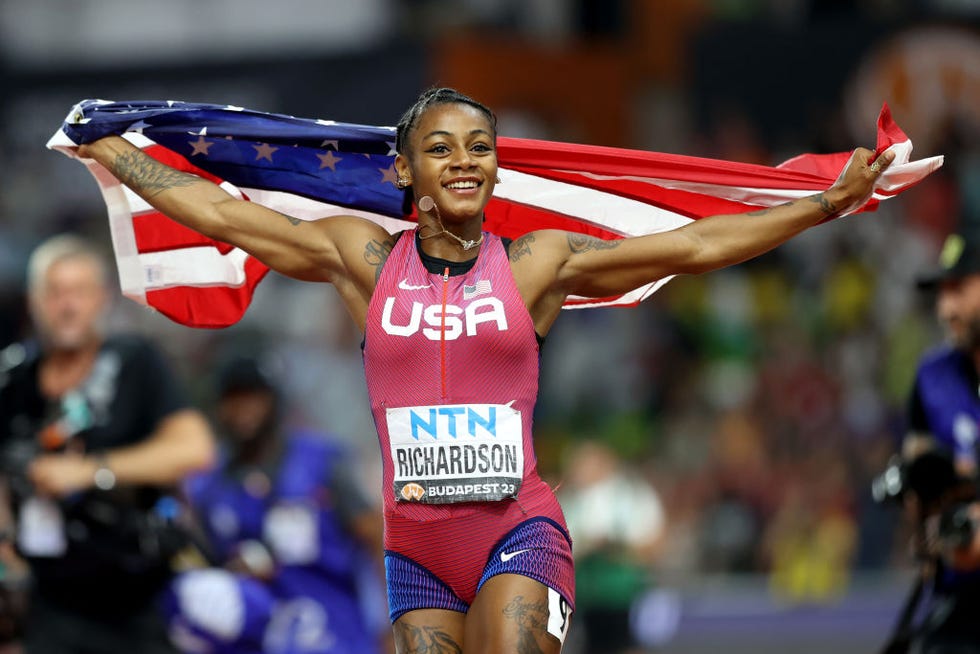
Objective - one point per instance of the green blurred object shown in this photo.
(604, 580)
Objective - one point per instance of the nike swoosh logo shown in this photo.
(405, 286)
(507, 556)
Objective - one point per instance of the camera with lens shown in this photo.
(15, 457)
(932, 479)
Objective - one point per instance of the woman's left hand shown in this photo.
(855, 184)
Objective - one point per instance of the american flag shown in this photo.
(481, 287)
(313, 169)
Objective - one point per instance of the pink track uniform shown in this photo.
(452, 372)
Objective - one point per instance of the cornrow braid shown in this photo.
(430, 98)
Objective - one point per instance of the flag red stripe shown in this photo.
(889, 132)
(512, 220)
(212, 306)
(155, 232)
(548, 155)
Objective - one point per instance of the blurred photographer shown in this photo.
(93, 432)
(936, 477)
(296, 544)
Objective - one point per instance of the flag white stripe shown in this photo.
(633, 297)
(198, 266)
(607, 210)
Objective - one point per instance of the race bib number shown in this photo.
(456, 453)
(42, 528)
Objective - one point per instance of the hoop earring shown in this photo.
(498, 179)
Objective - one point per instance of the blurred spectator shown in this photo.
(938, 478)
(617, 523)
(812, 538)
(297, 542)
(93, 431)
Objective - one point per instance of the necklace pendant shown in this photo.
(469, 245)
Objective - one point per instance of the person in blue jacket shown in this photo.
(295, 543)
(940, 455)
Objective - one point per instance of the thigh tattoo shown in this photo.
(532, 623)
(417, 639)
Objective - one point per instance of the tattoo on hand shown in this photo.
(414, 639)
(825, 205)
(520, 248)
(532, 622)
(376, 253)
(578, 243)
(143, 173)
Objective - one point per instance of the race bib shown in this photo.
(41, 531)
(456, 453)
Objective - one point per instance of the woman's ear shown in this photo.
(402, 171)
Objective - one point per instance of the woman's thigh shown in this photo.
(429, 631)
(513, 613)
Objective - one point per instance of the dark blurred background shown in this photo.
(753, 404)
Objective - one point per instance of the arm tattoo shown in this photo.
(825, 205)
(143, 173)
(521, 247)
(376, 253)
(292, 220)
(414, 639)
(532, 623)
(579, 243)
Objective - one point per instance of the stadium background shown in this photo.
(758, 401)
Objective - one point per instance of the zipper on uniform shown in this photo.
(442, 337)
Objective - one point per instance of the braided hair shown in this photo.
(430, 98)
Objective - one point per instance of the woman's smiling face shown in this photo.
(452, 159)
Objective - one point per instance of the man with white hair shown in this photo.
(93, 431)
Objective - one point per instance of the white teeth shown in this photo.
(461, 185)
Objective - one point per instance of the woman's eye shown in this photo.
(438, 149)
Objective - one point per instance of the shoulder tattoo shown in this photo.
(520, 248)
(143, 173)
(376, 253)
(579, 243)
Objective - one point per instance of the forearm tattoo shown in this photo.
(532, 623)
(144, 174)
(414, 639)
(376, 253)
(826, 206)
(521, 247)
(579, 243)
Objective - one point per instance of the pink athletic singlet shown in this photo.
(452, 372)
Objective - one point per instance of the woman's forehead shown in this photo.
(452, 117)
